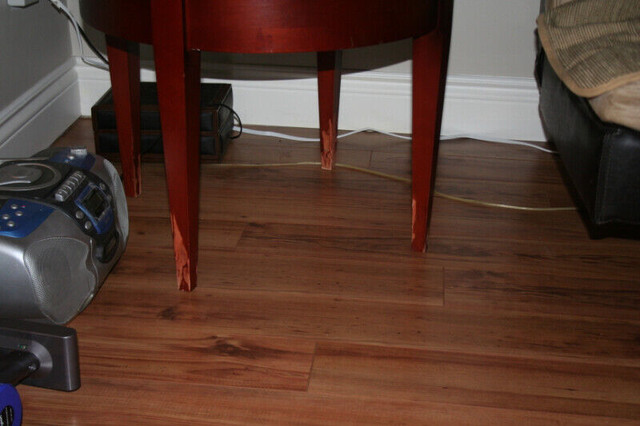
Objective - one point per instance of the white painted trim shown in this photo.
(286, 96)
(39, 116)
(503, 107)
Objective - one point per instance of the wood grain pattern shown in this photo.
(272, 26)
(401, 373)
(512, 318)
(156, 403)
(267, 363)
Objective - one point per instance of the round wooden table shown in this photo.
(180, 29)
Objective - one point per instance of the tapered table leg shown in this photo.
(329, 74)
(178, 80)
(124, 67)
(430, 58)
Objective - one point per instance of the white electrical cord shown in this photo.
(303, 139)
(494, 139)
(479, 137)
(89, 61)
(271, 134)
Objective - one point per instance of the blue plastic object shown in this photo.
(10, 406)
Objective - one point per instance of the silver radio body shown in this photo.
(63, 226)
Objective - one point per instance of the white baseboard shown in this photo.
(493, 106)
(285, 96)
(40, 115)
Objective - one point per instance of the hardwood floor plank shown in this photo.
(313, 195)
(542, 293)
(270, 236)
(479, 222)
(156, 232)
(488, 381)
(408, 282)
(156, 403)
(319, 317)
(571, 259)
(529, 194)
(496, 170)
(196, 356)
(465, 147)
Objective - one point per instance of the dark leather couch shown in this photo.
(601, 160)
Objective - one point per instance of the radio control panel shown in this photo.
(30, 190)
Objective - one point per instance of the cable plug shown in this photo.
(57, 4)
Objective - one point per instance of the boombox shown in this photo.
(63, 226)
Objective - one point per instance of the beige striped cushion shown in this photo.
(614, 94)
(593, 45)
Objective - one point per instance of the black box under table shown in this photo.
(216, 122)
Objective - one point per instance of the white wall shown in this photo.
(494, 38)
(33, 42)
(38, 83)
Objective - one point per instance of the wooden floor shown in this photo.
(311, 309)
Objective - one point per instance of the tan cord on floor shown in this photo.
(503, 206)
(398, 179)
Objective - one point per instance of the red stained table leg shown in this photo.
(329, 73)
(178, 76)
(430, 57)
(124, 61)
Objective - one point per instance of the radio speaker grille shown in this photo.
(62, 277)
